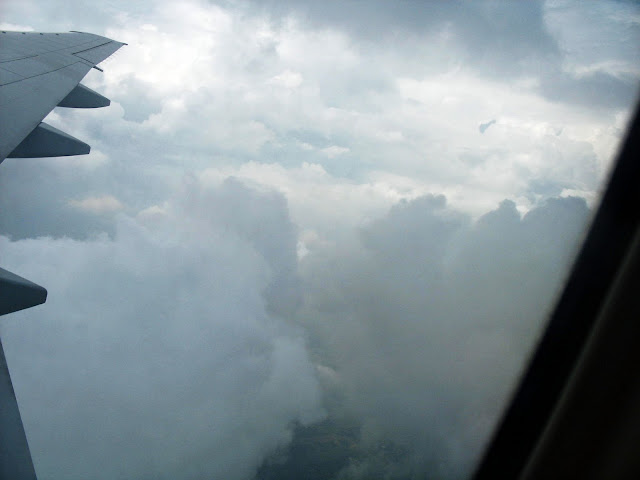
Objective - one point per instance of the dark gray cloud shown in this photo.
(429, 319)
(34, 195)
(598, 89)
(160, 352)
(497, 39)
(496, 35)
(262, 218)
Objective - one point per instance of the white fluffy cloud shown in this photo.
(160, 352)
(203, 85)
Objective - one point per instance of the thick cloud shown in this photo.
(191, 283)
(159, 353)
(580, 54)
(495, 34)
(220, 85)
(427, 322)
(161, 350)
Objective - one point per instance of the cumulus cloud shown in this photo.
(334, 151)
(104, 204)
(428, 319)
(161, 352)
(501, 40)
(229, 83)
(499, 33)
(288, 79)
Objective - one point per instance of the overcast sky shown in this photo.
(295, 210)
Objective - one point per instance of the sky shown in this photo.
(300, 211)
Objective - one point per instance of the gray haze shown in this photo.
(426, 320)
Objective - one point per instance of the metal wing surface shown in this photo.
(39, 71)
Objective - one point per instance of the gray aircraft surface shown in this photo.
(38, 72)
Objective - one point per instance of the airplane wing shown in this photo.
(38, 72)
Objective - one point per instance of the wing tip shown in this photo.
(17, 293)
(48, 141)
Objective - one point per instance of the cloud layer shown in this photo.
(428, 319)
(285, 213)
(159, 353)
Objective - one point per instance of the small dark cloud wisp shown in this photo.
(483, 126)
